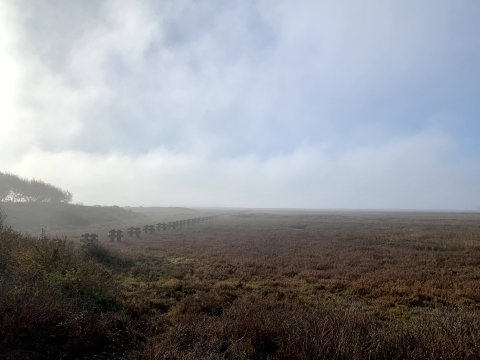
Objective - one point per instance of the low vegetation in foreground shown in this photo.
(250, 286)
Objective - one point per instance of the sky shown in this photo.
(275, 103)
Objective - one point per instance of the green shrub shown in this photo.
(105, 257)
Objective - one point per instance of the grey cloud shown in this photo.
(183, 68)
(272, 103)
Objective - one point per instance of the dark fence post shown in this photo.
(119, 235)
(92, 238)
(130, 231)
(85, 238)
(149, 229)
(112, 234)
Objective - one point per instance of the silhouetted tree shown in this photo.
(16, 189)
(4, 187)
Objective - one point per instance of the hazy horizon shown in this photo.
(245, 104)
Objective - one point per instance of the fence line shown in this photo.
(117, 234)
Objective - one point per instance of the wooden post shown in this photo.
(131, 231)
(92, 238)
(112, 234)
(149, 229)
(85, 238)
(137, 232)
(119, 235)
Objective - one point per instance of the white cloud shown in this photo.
(406, 174)
(39, 107)
(189, 104)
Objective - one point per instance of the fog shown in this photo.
(271, 104)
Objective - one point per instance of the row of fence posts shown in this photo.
(117, 235)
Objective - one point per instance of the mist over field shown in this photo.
(244, 179)
(305, 104)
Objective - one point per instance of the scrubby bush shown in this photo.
(55, 302)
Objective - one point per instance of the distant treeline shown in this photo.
(17, 189)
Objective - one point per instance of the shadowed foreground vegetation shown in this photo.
(251, 286)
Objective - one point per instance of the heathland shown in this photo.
(250, 284)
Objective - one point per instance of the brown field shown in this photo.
(257, 284)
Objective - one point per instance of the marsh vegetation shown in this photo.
(250, 285)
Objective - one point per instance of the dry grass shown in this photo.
(280, 285)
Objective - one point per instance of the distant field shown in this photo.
(386, 268)
(59, 218)
(264, 284)
(397, 262)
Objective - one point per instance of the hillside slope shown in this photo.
(58, 216)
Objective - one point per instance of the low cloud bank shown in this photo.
(407, 174)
